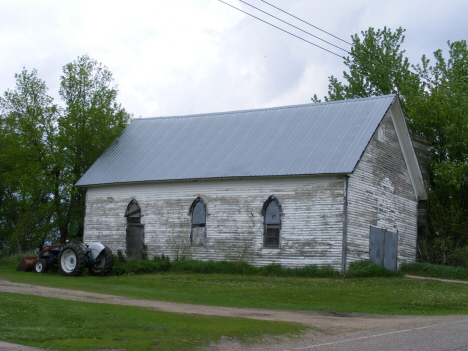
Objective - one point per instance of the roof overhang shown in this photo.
(408, 151)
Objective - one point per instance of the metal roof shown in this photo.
(318, 138)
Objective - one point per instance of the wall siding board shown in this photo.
(381, 195)
(312, 217)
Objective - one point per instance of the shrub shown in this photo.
(136, 266)
(207, 267)
(461, 255)
(163, 264)
(180, 245)
(240, 251)
(119, 257)
(144, 251)
(367, 268)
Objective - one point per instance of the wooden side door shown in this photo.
(134, 239)
(383, 248)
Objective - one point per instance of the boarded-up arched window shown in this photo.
(272, 222)
(133, 212)
(198, 218)
(135, 233)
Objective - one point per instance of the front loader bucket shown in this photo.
(27, 264)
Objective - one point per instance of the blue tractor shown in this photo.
(71, 258)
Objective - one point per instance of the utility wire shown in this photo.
(298, 37)
(289, 24)
(352, 54)
(334, 36)
(238, 9)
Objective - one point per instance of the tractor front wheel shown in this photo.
(103, 263)
(72, 259)
(41, 266)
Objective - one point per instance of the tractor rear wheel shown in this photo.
(72, 259)
(103, 263)
(41, 266)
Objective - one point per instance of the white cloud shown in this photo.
(182, 57)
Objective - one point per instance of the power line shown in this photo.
(352, 54)
(298, 37)
(289, 24)
(238, 9)
(334, 36)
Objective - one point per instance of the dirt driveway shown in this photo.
(315, 319)
(329, 324)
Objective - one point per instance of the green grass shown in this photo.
(383, 295)
(434, 270)
(71, 325)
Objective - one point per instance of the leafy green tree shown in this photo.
(7, 207)
(29, 148)
(45, 149)
(440, 112)
(435, 101)
(91, 122)
(377, 66)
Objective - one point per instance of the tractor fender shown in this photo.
(95, 249)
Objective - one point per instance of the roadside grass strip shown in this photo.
(382, 295)
(434, 270)
(70, 325)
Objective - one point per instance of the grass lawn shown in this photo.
(71, 325)
(396, 295)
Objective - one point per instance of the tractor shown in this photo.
(72, 258)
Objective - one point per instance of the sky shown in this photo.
(182, 57)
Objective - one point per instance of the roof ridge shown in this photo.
(265, 108)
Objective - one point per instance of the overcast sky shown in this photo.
(183, 57)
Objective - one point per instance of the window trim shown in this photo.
(266, 226)
(201, 225)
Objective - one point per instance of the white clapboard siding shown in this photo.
(381, 195)
(312, 217)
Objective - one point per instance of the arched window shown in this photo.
(272, 222)
(198, 218)
(133, 212)
(135, 233)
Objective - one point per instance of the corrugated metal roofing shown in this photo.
(319, 138)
